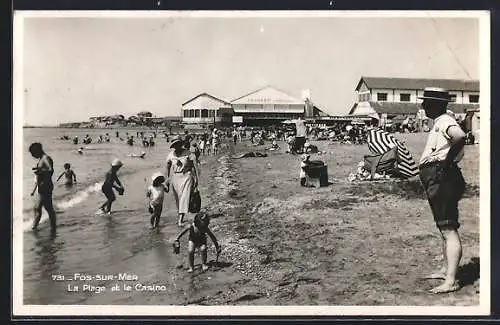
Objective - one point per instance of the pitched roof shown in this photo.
(270, 90)
(353, 108)
(412, 108)
(418, 83)
(206, 94)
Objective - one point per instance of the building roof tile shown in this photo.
(418, 83)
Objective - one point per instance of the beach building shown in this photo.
(264, 106)
(204, 110)
(393, 100)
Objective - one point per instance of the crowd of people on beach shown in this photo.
(440, 176)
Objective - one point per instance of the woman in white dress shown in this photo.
(182, 176)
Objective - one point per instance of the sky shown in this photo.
(74, 68)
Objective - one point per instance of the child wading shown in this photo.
(108, 185)
(198, 232)
(156, 193)
(69, 175)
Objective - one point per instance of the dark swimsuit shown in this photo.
(198, 238)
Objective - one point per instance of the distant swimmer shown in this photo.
(69, 175)
(80, 150)
(135, 155)
(87, 139)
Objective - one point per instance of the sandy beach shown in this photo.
(349, 243)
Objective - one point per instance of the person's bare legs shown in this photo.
(37, 209)
(452, 256)
(441, 273)
(203, 250)
(191, 249)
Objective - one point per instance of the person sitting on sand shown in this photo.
(109, 184)
(274, 146)
(156, 193)
(69, 175)
(310, 148)
(75, 140)
(198, 232)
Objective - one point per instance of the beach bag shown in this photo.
(385, 162)
(194, 202)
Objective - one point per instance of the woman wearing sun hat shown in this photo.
(443, 181)
(182, 175)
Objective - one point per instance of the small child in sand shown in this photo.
(303, 165)
(69, 175)
(109, 184)
(156, 193)
(198, 232)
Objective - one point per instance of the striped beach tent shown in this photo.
(380, 141)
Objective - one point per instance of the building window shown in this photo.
(473, 98)
(382, 97)
(204, 113)
(196, 113)
(404, 97)
(186, 113)
(453, 98)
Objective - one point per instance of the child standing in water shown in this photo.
(156, 193)
(69, 175)
(198, 232)
(107, 187)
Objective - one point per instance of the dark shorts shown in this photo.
(108, 192)
(155, 210)
(198, 240)
(444, 188)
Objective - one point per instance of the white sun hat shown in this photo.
(116, 162)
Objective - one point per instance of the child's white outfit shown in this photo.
(156, 195)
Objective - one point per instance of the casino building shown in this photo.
(265, 106)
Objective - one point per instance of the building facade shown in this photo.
(386, 99)
(205, 109)
(264, 106)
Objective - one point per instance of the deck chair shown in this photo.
(385, 162)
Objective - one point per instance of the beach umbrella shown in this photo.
(380, 141)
